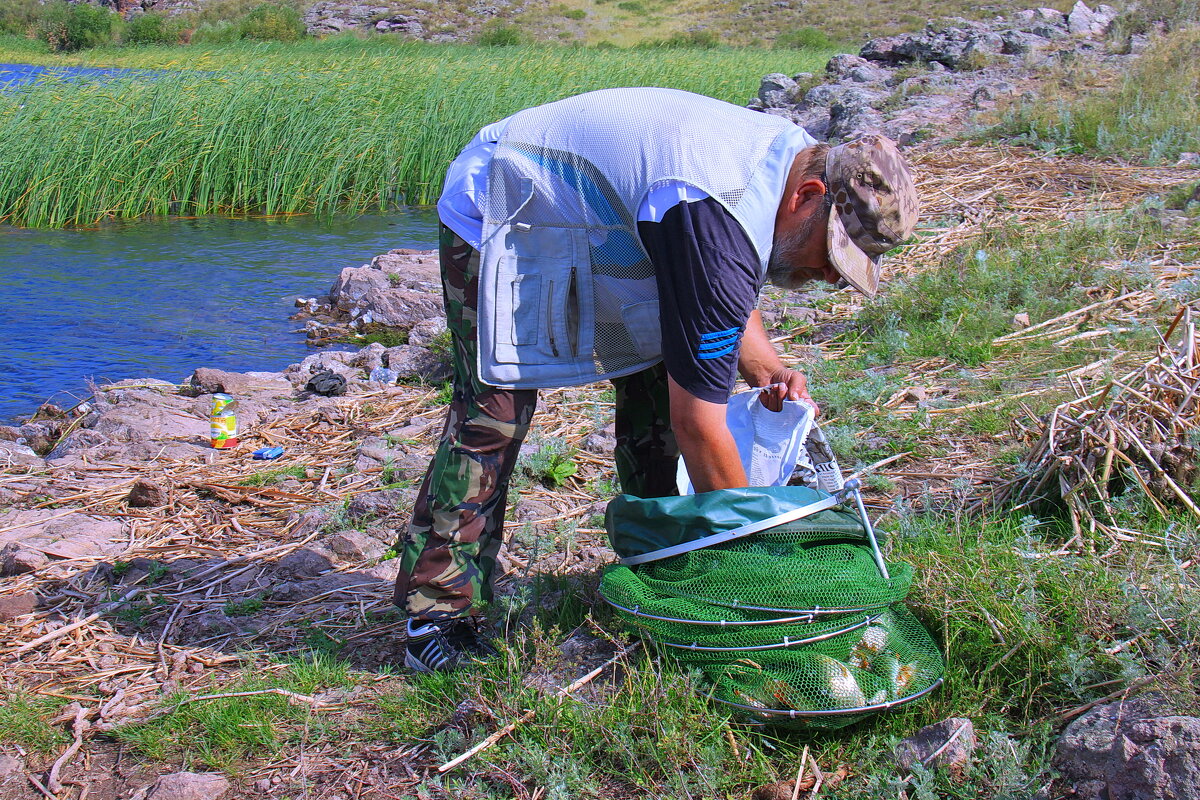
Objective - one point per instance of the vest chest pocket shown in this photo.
(543, 297)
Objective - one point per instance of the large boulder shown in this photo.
(410, 362)
(1129, 750)
(1089, 23)
(211, 381)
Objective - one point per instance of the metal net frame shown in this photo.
(791, 625)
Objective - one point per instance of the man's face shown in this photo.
(802, 255)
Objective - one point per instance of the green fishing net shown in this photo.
(794, 626)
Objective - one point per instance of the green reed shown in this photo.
(316, 127)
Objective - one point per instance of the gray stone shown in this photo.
(921, 746)
(418, 270)
(146, 493)
(409, 361)
(1018, 43)
(354, 545)
(18, 455)
(398, 308)
(211, 381)
(353, 284)
(845, 66)
(1130, 750)
(10, 765)
(190, 786)
(338, 361)
(374, 505)
(306, 562)
(1083, 21)
(426, 331)
(777, 89)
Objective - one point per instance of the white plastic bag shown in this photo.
(769, 442)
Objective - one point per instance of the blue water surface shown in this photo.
(159, 298)
(15, 75)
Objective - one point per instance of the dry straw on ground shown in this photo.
(1139, 431)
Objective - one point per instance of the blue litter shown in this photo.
(268, 453)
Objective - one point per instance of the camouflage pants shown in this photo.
(448, 554)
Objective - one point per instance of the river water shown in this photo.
(159, 298)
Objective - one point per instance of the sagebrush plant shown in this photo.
(1150, 114)
(152, 28)
(76, 26)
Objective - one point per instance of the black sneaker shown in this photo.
(444, 645)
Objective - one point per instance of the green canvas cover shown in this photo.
(643, 525)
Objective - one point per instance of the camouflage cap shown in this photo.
(874, 207)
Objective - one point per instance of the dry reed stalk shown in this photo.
(1141, 429)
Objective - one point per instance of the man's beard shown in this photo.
(781, 271)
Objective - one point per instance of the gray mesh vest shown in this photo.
(567, 292)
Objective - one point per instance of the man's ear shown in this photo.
(809, 189)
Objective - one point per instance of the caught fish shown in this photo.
(837, 679)
(898, 675)
(873, 641)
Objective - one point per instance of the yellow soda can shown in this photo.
(223, 421)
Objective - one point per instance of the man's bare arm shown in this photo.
(707, 446)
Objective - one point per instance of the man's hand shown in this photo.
(786, 384)
(759, 364)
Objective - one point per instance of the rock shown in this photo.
(1020, 321)
(211, 381)
(190, 786)
(374, 505)
(409, 362)
(780, 790)
(1130, 750)
(414, 269)
(146, 493)
(927, 741)
(1018, 43)
(399, 308)
(777, 89)
(1083, 21)
(369, 358)
(306, 562)
(353, 284)
(72, 536)
(886, 49)
(426, 331)
(354, 545)
(855, 68)
(14, 455)
(13, 606)
(17, 560)
(10, 765)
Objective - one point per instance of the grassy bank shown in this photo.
(316, 126)
(1152, 113)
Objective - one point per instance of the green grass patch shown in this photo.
(1152, 113)
(957, 308)
(314, 126)
(224, 733)
(274, 475)
(25, 722)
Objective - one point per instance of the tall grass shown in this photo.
(1152, 114)
(317, 126)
